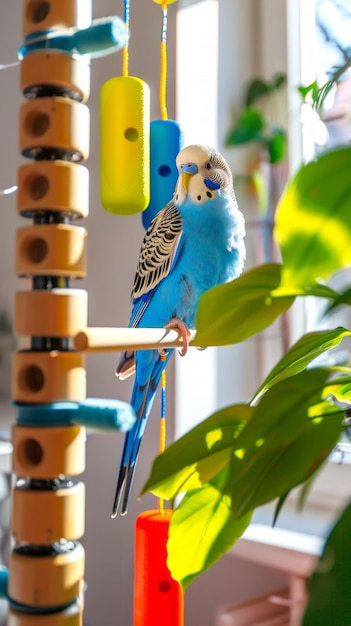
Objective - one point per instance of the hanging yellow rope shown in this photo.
(163, 426)
(125, 51)
(163, 64)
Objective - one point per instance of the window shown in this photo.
(229, 375)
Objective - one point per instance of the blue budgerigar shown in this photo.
(194, 243)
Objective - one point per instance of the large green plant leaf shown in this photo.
(234, 311)
(200, 454)
(237, 310)
(313, 224)
(202, 529)
(329, 587)
(277, 470)
(289, 435)
(301, 354)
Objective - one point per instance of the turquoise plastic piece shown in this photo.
(4, 578)
(95, 413)
(104, 36)
(166, 140)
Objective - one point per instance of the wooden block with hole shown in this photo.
(51, 250)
(50, 376)
(53, 186)
(43, 15)
(49, 72)
(54, 127)
(49, 451)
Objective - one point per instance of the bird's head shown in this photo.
(202, 172)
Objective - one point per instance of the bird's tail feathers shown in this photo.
(119, 488)
(129, 481)
(142, 401)
(126, 365)
(130, 451)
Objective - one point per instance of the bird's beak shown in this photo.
(185, 180)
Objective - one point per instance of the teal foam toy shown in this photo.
(104, 36)
(96, 414)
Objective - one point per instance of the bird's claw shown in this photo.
(184, 333)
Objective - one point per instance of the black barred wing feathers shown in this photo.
(158, 250)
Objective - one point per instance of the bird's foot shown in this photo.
(184, 333)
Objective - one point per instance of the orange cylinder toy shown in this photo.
(158, 598)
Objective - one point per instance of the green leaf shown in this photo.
(248, 127)
(305, 90)
(201, 531)
(237, 310)
(342, 298)
(301, 354)
(279, 507)
(277, 146)
(278, 81)
(340, 389)
(200, 454)
(289, 435)
(306, 488)
(329, 586)
(313, 220)
(319, 291)
(257, 88)
(321, 93)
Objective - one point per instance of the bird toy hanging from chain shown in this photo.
(125, 140)
(166, 140)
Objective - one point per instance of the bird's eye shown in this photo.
(209, 166)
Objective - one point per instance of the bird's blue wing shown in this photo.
(159, 252)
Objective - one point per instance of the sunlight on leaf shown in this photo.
(199, 455)
(313, 220)
(340, 390)
(237, 310)
(201, 531)
(294, 445)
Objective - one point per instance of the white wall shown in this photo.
(112, 252)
